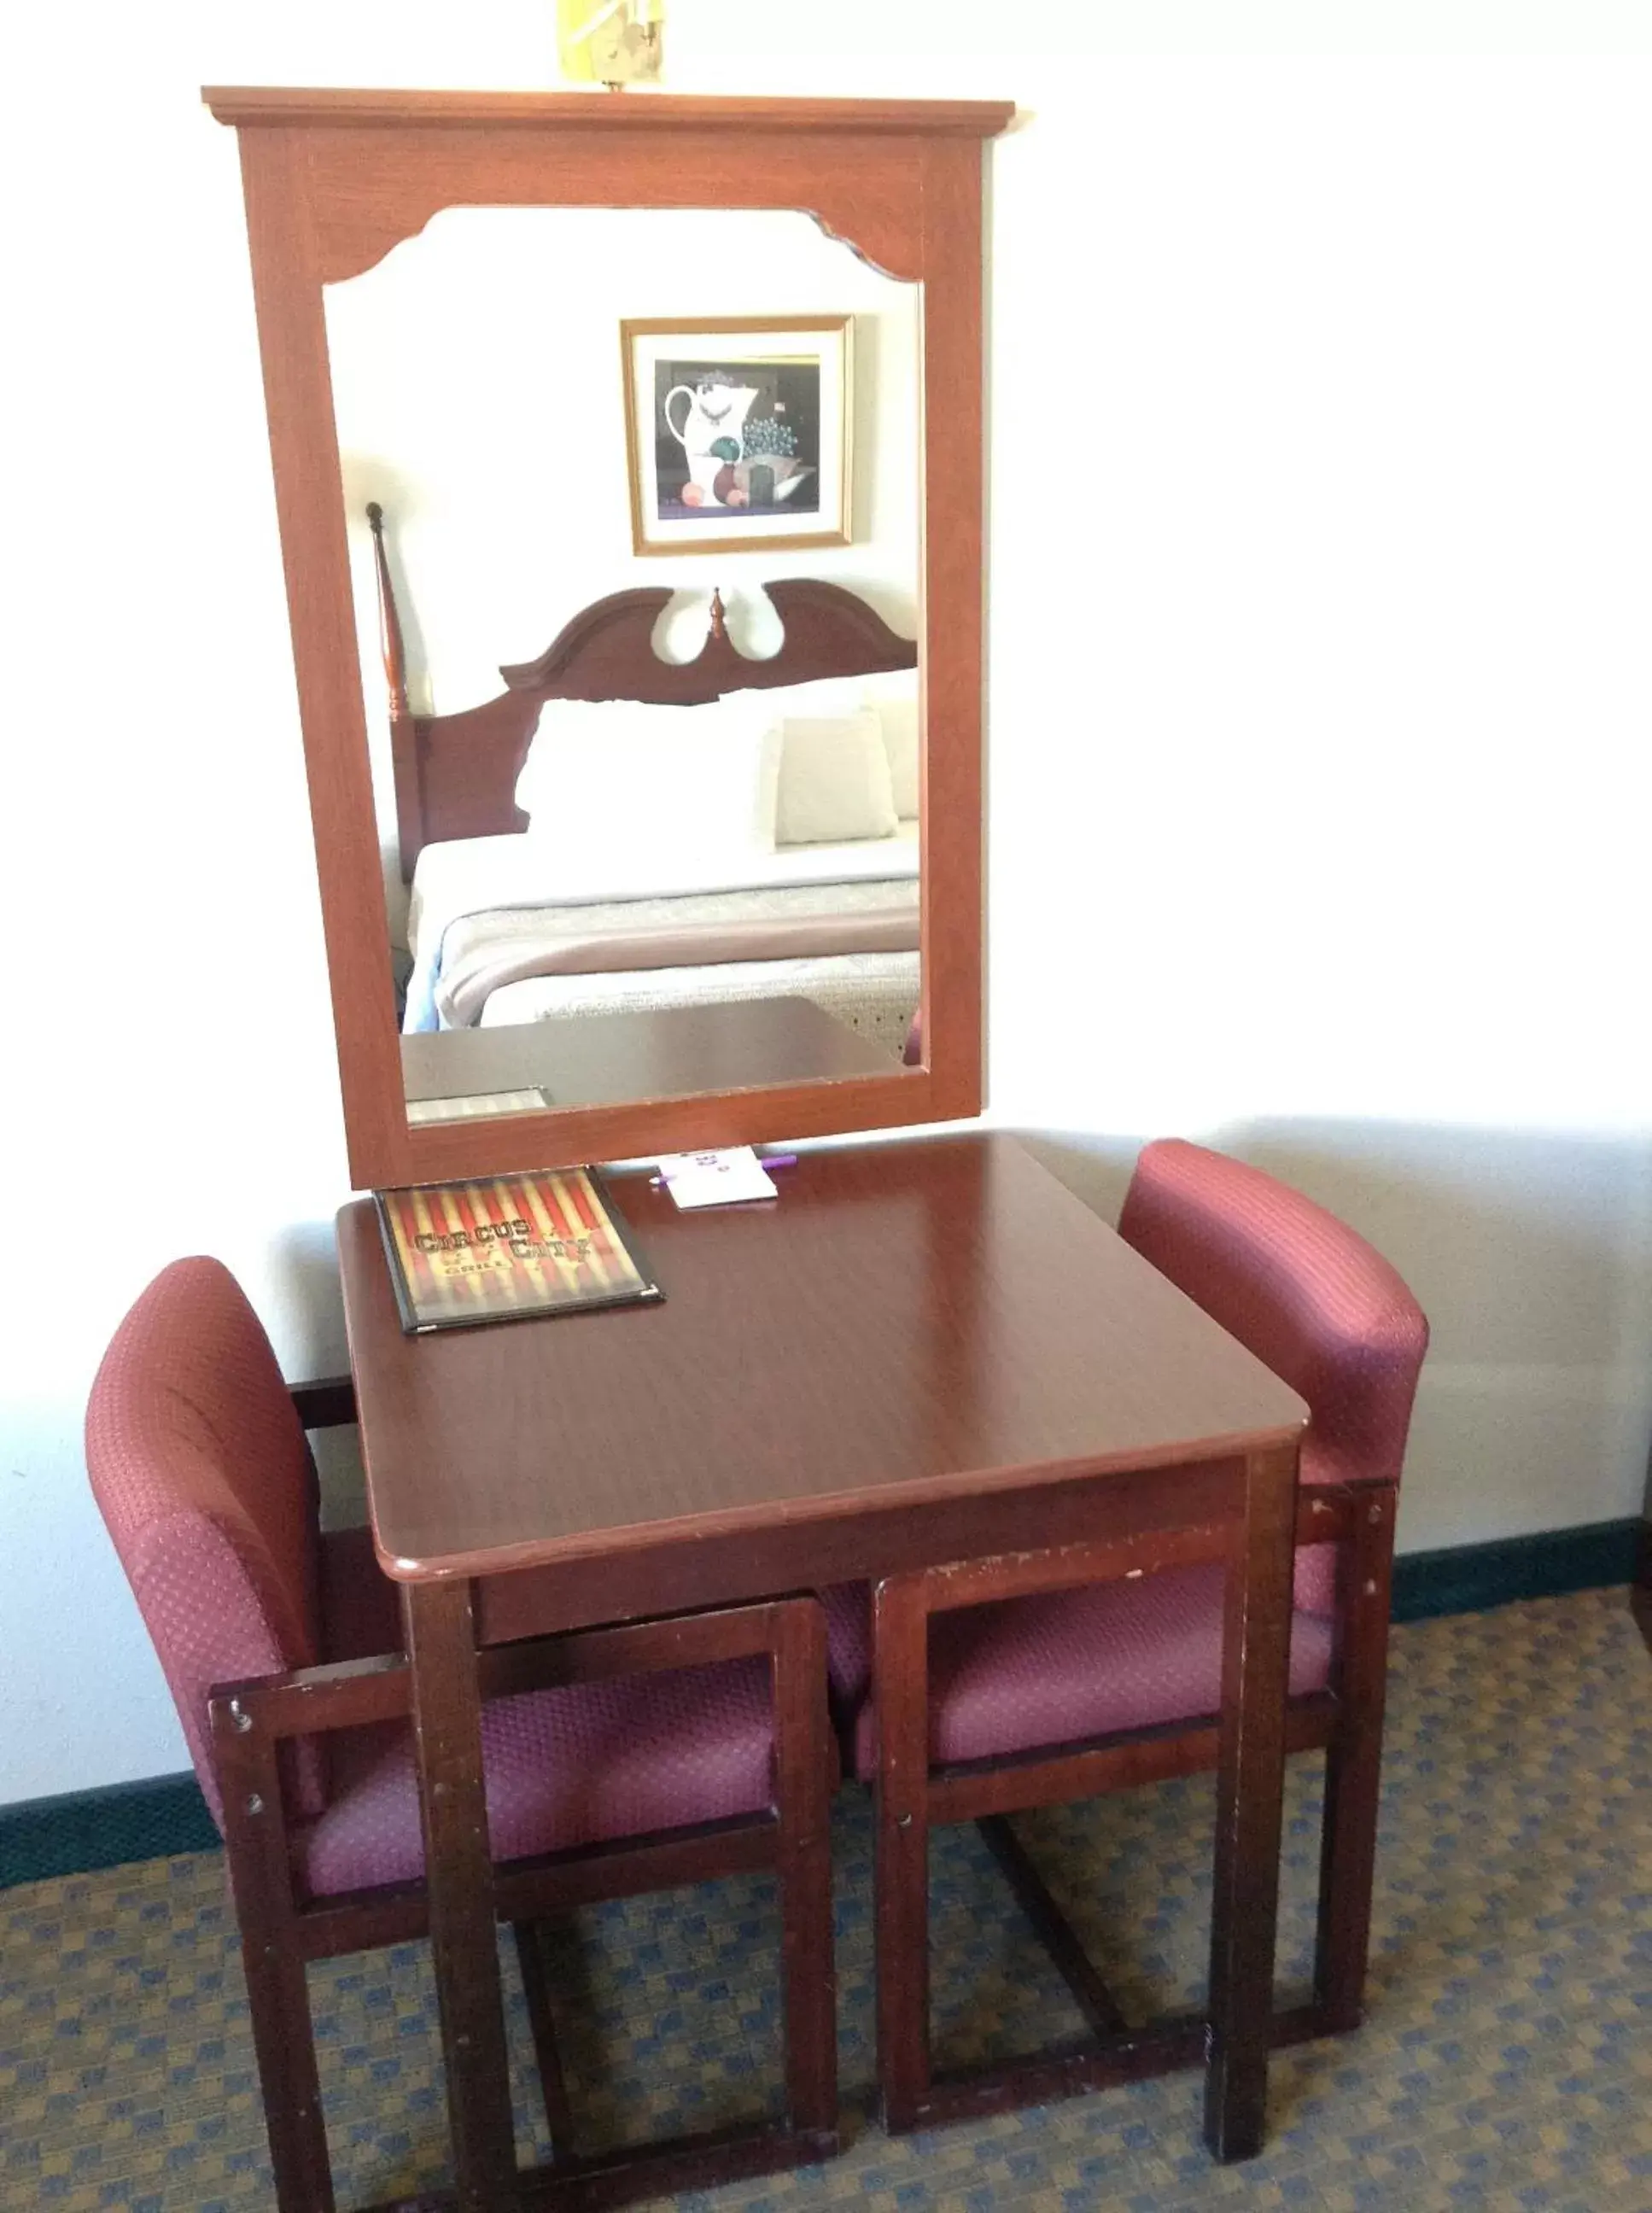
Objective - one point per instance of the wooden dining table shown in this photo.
(921, 1352)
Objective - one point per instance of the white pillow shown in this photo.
(893, 692)
(679, 781)
(824, 695)
(834, 780)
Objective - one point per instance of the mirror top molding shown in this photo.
(330, 107)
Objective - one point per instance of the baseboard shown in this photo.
(44, 1838)
(47, 1837)
(1469, 1578)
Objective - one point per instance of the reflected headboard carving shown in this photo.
(456, 774)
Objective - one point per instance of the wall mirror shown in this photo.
(628, 459)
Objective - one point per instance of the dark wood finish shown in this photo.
(607, 651)
(536, 1990)
(333, 181)
(641, 1578)
(456, 774)
(261, 1879)
(925, 1351)
(973, 2094)
(655, 2171)
(976, 1791)
(1246, 1743)
(901, 1799)
(1640, 1595)
(916, 1324)
(1353, 1768)
(459, 1862)
(1250, 1797)
(249, 1723)
(1345, 1722)
(664, 1053)
(1115, 2036)
(805, 1776)
(659, 1573)
(329, 1403)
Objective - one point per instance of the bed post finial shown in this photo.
(395, 663)
(719, 626)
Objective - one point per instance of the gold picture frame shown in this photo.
(739, 432)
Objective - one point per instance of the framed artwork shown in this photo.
(737, 432)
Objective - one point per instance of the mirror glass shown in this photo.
(643, 846)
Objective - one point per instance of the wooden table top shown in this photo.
(908, 1323)
(659, 1052)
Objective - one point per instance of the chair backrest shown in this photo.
(204, 1477)
(1308, 1297)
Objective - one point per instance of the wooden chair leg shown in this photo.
(536, 1988)
(1353, 1763)
(283, 2034)
(440, 1633)
(803, 1736)
(900, 1672)
(283, 2038)
(1250, 1797)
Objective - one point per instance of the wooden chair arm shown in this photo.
(348, 1693)
(327, 1404)
(340, 1694)
(1326, 1514)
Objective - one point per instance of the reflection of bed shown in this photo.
(502, 931)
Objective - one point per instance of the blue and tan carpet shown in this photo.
(1506, 2063)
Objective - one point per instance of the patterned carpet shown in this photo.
(1506, 2063)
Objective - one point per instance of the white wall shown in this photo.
(1321, 694)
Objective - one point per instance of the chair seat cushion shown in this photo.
(848, 1605)
(574, 1765)
(1067, 1665)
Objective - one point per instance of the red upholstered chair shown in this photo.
(1087, 1686)
(617, 1760)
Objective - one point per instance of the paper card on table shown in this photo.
(716, 1179)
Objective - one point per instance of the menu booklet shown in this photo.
(507, 1249)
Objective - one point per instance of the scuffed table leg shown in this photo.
(459, 1874)
(1250, 1788)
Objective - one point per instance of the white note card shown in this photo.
(719, 1178)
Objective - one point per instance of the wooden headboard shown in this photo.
(456, 774)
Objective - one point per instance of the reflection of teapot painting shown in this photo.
(712, 436)
(717, 408)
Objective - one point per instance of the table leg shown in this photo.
(1250, 1788)
(900, 1631)
(459, 1877)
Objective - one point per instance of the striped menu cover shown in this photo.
(507, 1249)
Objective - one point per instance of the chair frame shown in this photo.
(913, 1794)
(281, 1934)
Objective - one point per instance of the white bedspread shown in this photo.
(466, 876)
(476, 893)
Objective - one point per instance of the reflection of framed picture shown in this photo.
(737, 432)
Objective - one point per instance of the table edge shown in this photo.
(828, 1506)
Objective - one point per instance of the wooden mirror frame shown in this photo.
(334, 180)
